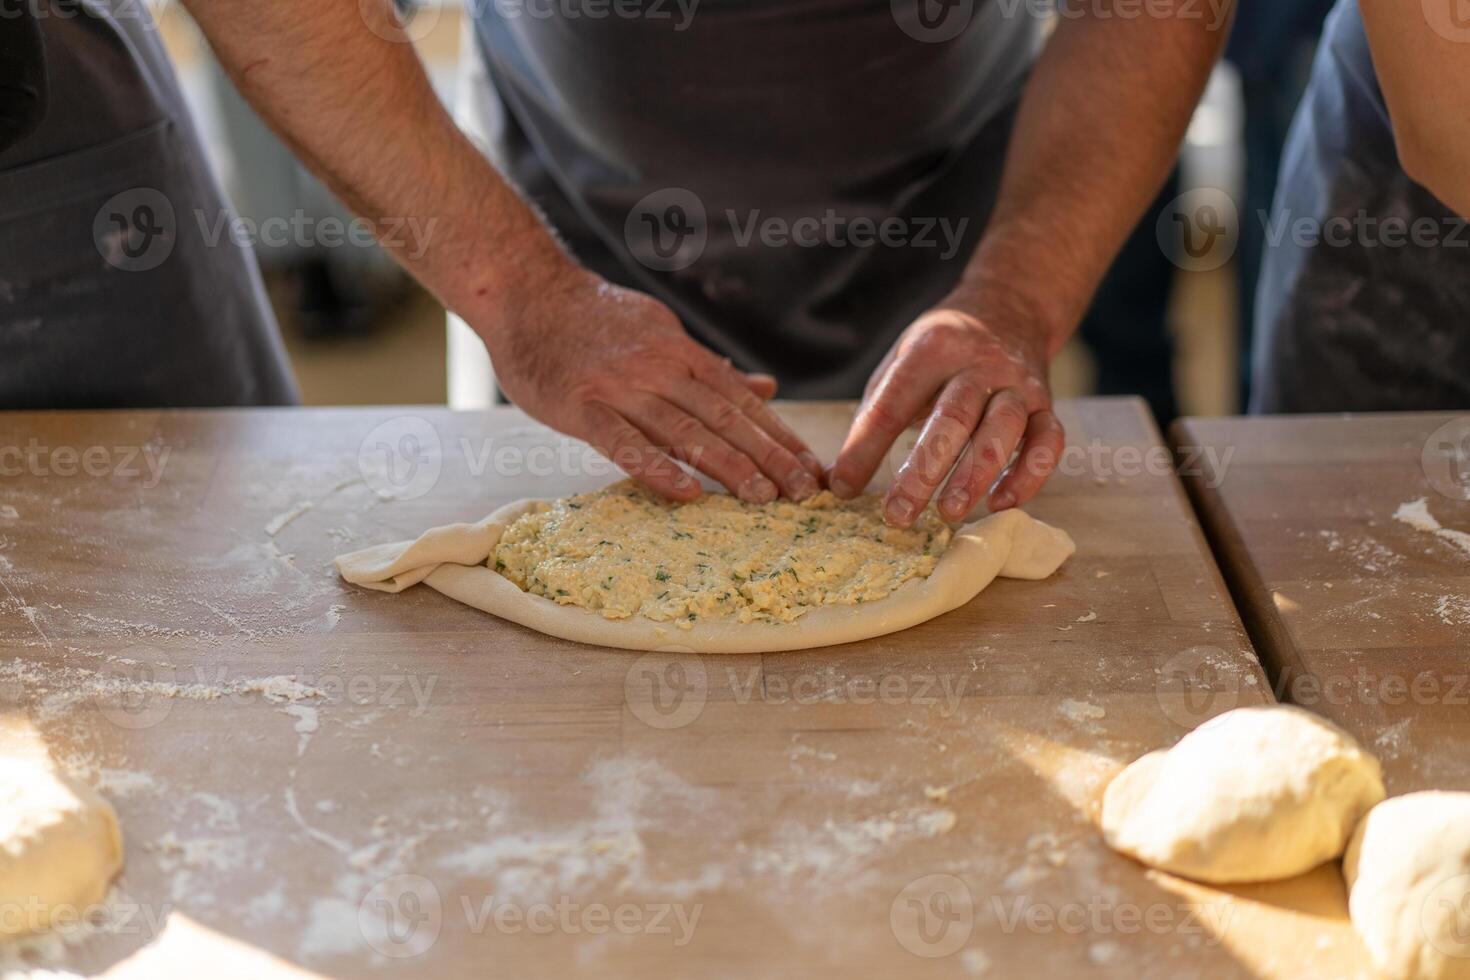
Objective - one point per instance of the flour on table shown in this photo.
(1415, 513)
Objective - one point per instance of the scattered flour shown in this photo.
(1081, 711)
(1415, 513)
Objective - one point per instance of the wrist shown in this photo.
(509, 281)
(1014, 281)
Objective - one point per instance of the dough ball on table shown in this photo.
(1408, 875)
(59, 846)
(1256, 794)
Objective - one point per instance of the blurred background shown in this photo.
(359, 331)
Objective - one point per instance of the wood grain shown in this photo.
(1356, 615)
(812, 809)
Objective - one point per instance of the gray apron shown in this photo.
(671, 152)
(120, 283)
(1368, 316)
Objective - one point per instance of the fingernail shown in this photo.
(813, 465)
(899, 510)
(841, 488)
(802, 484)
(956, 503)
(1002, 500)
(758, 490)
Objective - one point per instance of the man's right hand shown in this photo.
(614, 367)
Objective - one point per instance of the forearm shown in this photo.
(1425, 77)
(1098, 129)
(370, 126)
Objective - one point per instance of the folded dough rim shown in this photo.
(452, 559)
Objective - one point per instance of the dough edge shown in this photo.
(451, 560)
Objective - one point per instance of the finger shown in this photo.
(723, 378)
(1041, 450)
(629, 449)
(763, 385)
(882, 418)
(945, 436)
(691, 440)
(990, 450)
(727, 421)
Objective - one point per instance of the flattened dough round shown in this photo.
(59, 845)
(1408, 875)
(452, 560)
(1255, 794)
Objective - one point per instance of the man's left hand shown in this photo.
(974, 374)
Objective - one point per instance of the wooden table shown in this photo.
(1360, 616)
(448, 795)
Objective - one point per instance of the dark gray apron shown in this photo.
(1365, 318)
(656, 144)
(120, 284)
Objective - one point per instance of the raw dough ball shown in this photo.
(59, 845)
(1253, 795)
(1408, 875)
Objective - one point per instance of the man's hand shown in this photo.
(976, 378)
(614, 367)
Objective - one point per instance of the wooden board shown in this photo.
(469, 798)
(1357, 615)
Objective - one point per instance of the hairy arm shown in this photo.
(1424, 71)
(338, 80)
(1099, 127)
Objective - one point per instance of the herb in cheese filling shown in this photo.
(622, 551)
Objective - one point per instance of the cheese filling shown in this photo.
(622, 551)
